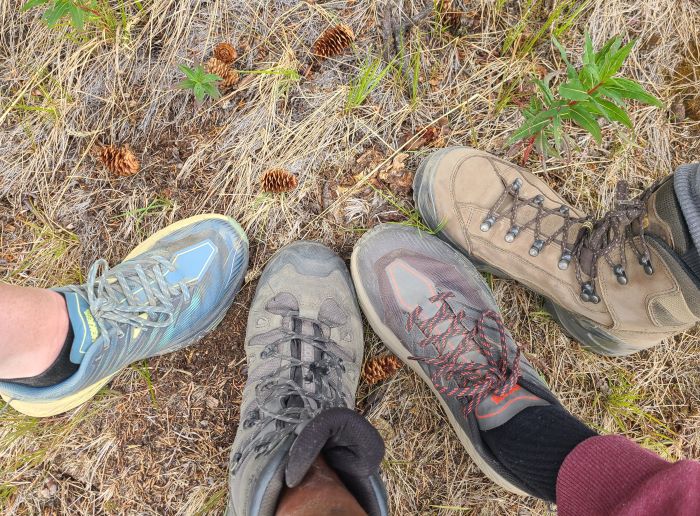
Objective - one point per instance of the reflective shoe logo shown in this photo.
(91, 324)
(498, 399)
(496, 409)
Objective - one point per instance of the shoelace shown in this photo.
(115, 303)
(302, 405)
(474, 380)
(113, 295)
(594, 239)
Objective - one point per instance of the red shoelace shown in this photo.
(474, 380)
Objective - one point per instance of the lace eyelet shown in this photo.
(564, 261)
(487, 223)
(645, 262)
(537, 246)
(588, 294)
(512, 233)
(620, 274)
(539, 199)
(515, 185)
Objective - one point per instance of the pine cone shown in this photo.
(380, 368)
(449, 16)
(225, 52)
(278, 180)
(228, 75)
(333, 41)
(120, 161)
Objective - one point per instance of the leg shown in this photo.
(319, 494)
(34, 326)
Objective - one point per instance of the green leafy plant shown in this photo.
(587, 94)
(201, 83)
(77, 12)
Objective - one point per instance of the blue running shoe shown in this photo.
(167, 294)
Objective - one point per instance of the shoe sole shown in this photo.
(589, 334)
(392, 342)
(59, 406)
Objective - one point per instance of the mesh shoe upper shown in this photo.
(442, 312)
(176, 287)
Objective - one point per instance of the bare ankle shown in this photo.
(35, 324)
(321, 493)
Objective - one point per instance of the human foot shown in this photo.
(169, 291)
(304, 345)
(617, 284)
(28, 349)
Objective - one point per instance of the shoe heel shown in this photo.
(55, 407)
(591, 337)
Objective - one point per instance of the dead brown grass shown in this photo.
(164, 451)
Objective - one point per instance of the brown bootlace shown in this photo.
(594, 239)
(474, 380)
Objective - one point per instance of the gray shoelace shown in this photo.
(114, 301)
(301, 405)
(116, 297)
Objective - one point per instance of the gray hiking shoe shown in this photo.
(304, 345)
(433, 310)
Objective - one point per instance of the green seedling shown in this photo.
(145, 373)
(587, 94)
(159, 205)
(201, 83)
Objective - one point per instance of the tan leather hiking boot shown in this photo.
(618, 284)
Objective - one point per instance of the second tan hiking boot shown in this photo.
(618, 284)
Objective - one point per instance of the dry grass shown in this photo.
(163, 449)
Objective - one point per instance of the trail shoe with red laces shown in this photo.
(304, 346)
(617, 284)
(433, 310)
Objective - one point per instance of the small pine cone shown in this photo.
(278, 180)
(225, 52)
(333, 41)
(450, 18)
(380, 368)
(229, 77)
(120, 161)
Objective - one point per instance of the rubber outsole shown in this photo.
(583, 330)
(392, 342)
(59, 406)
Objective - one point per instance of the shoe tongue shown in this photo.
(665, 218)
(85, 329)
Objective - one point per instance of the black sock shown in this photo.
(61, 369)
(534, 443)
